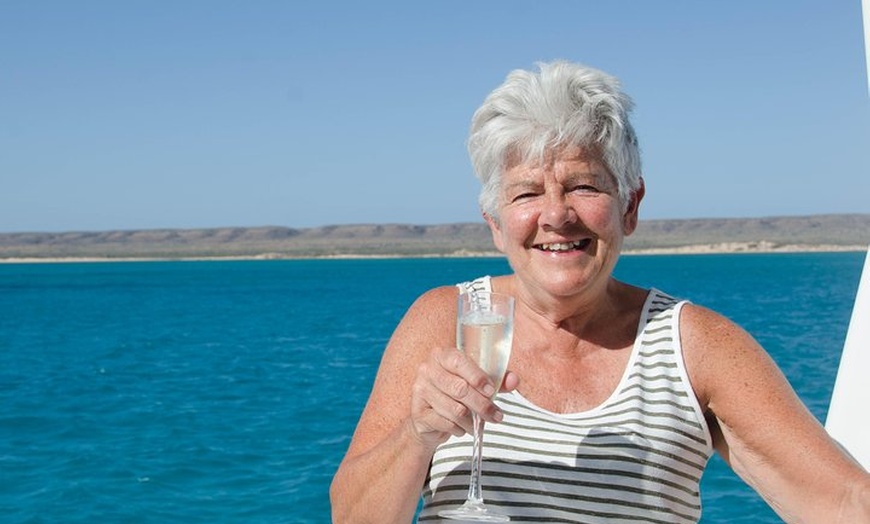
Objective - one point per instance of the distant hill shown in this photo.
(841, 232)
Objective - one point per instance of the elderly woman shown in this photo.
(616, 396)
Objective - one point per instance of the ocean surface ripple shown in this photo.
(228, 391)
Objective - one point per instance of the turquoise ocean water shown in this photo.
(226, 392)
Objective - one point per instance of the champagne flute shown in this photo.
(484, 332)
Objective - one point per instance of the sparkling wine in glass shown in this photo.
(484, 331)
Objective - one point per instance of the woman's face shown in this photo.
(560, 223)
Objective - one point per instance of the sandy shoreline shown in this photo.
(747, 247)
(702, 249)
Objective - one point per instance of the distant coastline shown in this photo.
(815, 233)
(707, 249)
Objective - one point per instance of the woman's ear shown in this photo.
(629, 218)
(495, 229)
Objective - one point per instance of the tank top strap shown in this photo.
(483, 283)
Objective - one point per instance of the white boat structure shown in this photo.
(847, 415)
(850, 402)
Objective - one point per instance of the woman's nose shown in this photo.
(557, 212)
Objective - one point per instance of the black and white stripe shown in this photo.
(636, 458)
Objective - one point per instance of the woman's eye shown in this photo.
(522, 196)
(585, 188)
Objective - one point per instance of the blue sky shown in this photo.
(186, 114)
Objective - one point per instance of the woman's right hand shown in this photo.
(448, 387)
(421, 396)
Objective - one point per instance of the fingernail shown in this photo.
(488, 390)
(497, 416)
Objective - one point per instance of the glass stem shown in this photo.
(475, 494)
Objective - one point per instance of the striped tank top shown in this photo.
(636, 458)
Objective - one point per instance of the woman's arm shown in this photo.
(762, 429)
(423, 393)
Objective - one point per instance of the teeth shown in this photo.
(561, 246)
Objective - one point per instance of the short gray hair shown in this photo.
(562, 105)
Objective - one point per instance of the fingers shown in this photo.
(511, 381)
(447, 389)
(462, 375)
(463, 381)
(442, 412)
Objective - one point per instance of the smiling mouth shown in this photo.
(564, 247)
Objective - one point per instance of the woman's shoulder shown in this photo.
(433, 307)
(718, 351)
(703, 325)
(436, 296)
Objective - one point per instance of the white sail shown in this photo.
(850, 403)
(847, 418)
